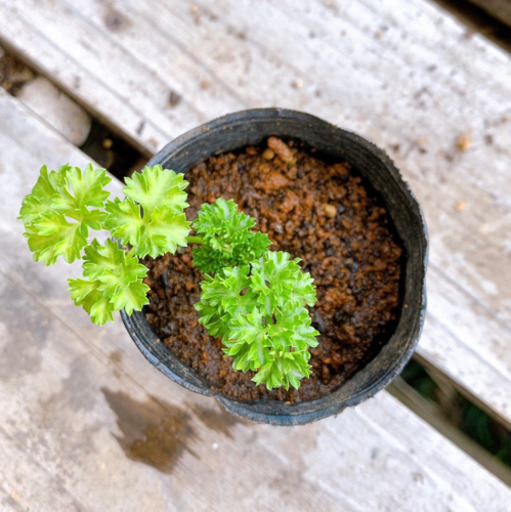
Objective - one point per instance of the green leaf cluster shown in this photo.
(65, 204)
(226, 237)
(151, 217)
(62, 207)
(254, 299)
(259, 311)
(112, 281)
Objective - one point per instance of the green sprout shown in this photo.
(254, 299)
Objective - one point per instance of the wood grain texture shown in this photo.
(406, 76)
(82, 411)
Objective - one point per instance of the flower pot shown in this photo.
(251, 128)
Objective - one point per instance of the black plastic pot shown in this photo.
(251, 127)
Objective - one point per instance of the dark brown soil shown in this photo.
(318, 211)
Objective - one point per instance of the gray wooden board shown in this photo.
(405, 74)
(88, 424)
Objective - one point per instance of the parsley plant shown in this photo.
(252, 298)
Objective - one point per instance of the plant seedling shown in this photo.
(252, 298)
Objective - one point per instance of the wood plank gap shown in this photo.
(114, 124)
(432, 414)
(490, 18)
(431, 365)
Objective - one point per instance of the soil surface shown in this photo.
(316, 210)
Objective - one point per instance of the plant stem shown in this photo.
(194, 240)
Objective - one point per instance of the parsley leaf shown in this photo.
(61, 208)
(86, 293)
(154, 186)
(259, 311)
(151, 218)
(227, 237)
(112, 281)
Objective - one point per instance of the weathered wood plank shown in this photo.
(15, 495)
(459, 329)
(81, 407)
(142, 98)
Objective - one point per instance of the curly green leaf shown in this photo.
(153, 232)
(154, 186)
(86, 293)
(227, 237)
(61, 208)
(112, 281)
(259, 311)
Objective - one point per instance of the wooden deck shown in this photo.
(87, 423)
